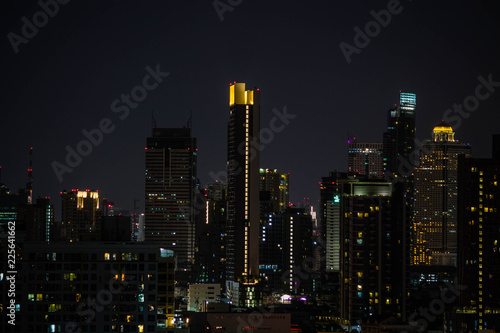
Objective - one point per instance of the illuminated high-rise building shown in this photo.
(478, 261)
(365, 159)
(370, 284)
(435, 229)
(297, 251)
(80, 214)
(399, 139)
(243, 189)
(278, 186)
(171, 157)
(329, 226)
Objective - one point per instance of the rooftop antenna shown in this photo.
(190, 120)
(153, 120)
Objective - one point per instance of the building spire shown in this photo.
(153, 120)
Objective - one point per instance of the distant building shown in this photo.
(80, 214)
(9, 203)
(200, 295)
(365, 159)
(278, 186)
(298, 251)
(211, 235)
(38, 220)
(171, 164)
(329, 236)
(115, 228)
(399, 139)
(435, 227)
(271, 239)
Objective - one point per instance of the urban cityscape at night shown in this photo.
(250, 166)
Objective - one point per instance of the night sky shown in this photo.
(65, 78)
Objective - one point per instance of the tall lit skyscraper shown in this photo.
(368, 283)
(243, 186)
(435, 227)
(171, 157)
(297, 250)
(479, 236)
(399, 139)
(365, 159)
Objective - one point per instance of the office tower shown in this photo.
(90, 287)
(365, 159)
(368, 286)
(399, 139)
(333, 234)
(243, 188)
(298, 251)
(80, 214)
(278, 186)
(211, 235)
(37, 219)
(171, 157)
(271, 238)
(435, 228)
(329, 236)
(479, 248)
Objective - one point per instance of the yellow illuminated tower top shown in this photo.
(238, 94)
(443, 133)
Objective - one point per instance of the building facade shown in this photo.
(171, 164)
(435, 228)
(365, 159)
(479, 251)
(243, 189)
(80, 214)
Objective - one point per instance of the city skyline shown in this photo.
(323, 92)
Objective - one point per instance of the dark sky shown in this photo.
(65, 78)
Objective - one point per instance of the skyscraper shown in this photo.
(211, 234)
(171, 157)
(297, 251)
(399, 139)
(479, 251)
(80, 214)
(368, 285)
(329, 237)
(243, 185)
(365, 159)
(435, 227)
